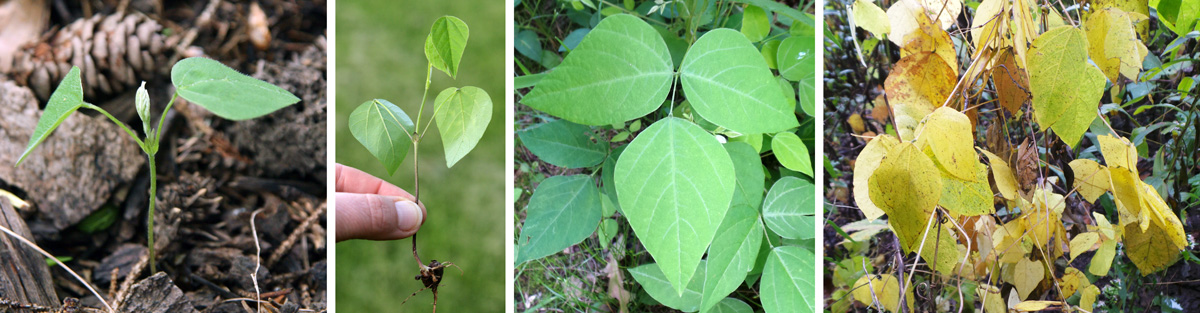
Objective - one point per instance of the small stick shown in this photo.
(257, 262)
(291, 239)
(60, 264)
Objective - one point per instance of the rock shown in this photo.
(156, 294)
(73, 171)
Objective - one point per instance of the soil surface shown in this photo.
(241, 209)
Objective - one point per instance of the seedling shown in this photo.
(205, 82)
(462, 115)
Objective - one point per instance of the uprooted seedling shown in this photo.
(462, 116)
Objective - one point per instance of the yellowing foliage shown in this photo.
(883, 288)
(906, 186)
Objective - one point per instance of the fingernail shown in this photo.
(409, 214)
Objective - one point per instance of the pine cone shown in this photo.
(114, 53)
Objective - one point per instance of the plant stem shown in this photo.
(150, 216)
(118, 122)
(421, 110)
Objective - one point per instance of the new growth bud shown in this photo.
(142, 101)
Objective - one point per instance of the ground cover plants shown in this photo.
(462, 116)
(668, 146)
(1027, 155)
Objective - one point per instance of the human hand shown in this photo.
(373, 209)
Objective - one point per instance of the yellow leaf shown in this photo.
(1091, 179)
(868, 160)
(884, 288)
(1071, 281)
(1087, 297)
(1083, 243)
(1065, 100)
(941, 249)
(902, 17)
(1138, 11)
(1118, 152)
(1158, 246)
(1024, 29)
(907, 187)
(948, 133)
(1044, 220)
(1104, 227)
(1103, 258)
(917, 85)
(989, 23)
(1006, 182)
(870, 17)
(993, 302)
(1033, 306)
(967, 198)
(944, 11)
(1113, 44)
(1027, 275)
(929, 37)
(1008, 244)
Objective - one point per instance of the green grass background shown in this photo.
(380, 54)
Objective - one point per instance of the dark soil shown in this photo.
(227, 191)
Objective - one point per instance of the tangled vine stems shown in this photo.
(150, 147)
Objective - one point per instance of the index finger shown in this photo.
(352, 180)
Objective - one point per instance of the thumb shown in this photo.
(376, 217)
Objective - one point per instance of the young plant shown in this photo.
(462, 116)
(683, 189)
(204, 82)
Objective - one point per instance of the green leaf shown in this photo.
(732, 305)
(792, 153)
(564, 144)
(383, 128)
(445, 43)
(226, 92)
(751, 179)
(652, 279)
(620, 71)
(755, 24)
(728, 83)
(563, 211)
(732, 254)
(607, 173)
(789, 208)
(675, 183)
(1065, 100)
(768, 50)
(796, 59)
(529, 44)
(67, 98)
(462, 117)
(787, 281)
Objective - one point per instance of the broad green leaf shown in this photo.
(67, 98)
(729, 84)
(796, 59)
(792, 153)
(868, 160)
(1113, 44)
(383, 128)
(789, 208)
(564, 144)
(870, 17)
(907, 186)
(755, 23)
(969, 198)
(768, 50)
(675, 183)
(732, 254)
(529, 44)
(462, 117)
(620, 71)
(1065, 100)
(732, 305)
(563, 211)
(751, 180)
(606, 175)
(225, 91)
(445, 43)
(787, 281)
(653, 280)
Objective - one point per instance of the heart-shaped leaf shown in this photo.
(462, 117)
(792, 153)
(732, 254)
(652, 279)
(755, 23)
(675, 183)
(445, 43)
(564, 144)
(731, 305)
(383, 128)
(67, 98)
(563, 211)
(789, 208)
(225, 91)
(729, 84)
(620, 71)
(796, 59)
(1064, 100)
(787, 281)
